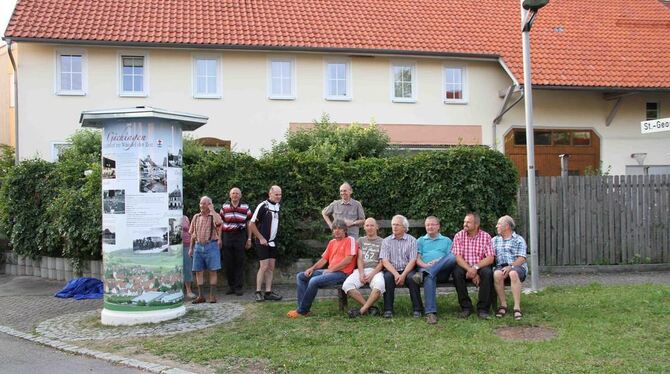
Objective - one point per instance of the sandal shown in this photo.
(517, 314)
(354, 313)
(502, 311)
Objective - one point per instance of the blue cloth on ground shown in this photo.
(82, 288)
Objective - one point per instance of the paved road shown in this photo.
(21, 356)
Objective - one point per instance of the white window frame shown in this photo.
(412, 65)
(54, 149)
(57, 75)
(145, 77)
(219, 76)
(326, 79)
(291, 61)
(464, 78)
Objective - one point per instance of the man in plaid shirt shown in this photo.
(474, 256)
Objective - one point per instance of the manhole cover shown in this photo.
(529, 333)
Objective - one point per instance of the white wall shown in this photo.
(245, 115)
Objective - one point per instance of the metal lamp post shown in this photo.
(529, 9)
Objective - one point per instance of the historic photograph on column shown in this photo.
(114, 201)
(153, 173)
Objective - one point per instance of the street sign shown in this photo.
(655, 125)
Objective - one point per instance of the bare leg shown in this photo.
(269, 271)
(499, 282)
(516, 288)
(199, 279)
(356, 295)
(374, 296)
(262, 268)
(188, 288)
(212, 283)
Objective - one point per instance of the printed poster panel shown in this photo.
(142, 212)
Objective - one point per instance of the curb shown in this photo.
(112, 358)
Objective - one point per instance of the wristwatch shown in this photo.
(476, 267)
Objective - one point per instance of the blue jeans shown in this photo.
(444, 265)
(308, 286)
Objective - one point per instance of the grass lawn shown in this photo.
(598, 328)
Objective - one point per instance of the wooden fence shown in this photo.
(600, 220)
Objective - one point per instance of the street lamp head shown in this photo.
(534, 5)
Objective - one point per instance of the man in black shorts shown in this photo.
(264, 225)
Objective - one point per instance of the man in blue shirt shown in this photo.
(434, 260)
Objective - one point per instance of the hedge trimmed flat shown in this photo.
(517, 314)
(502, 311)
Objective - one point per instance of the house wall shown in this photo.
(6, 99)
(245, 115)
(250, 120)
(588, 110)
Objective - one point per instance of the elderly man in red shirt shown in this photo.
(340, 255)
(474, 256)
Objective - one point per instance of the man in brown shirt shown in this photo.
(205, 242)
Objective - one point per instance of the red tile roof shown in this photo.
(609, 43)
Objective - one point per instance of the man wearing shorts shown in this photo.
(264, 225)
(510, 262)
(205, 242)
(369, 271)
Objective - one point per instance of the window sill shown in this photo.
(456, 102)
(402, 100)
(133, 94)
(281, 97)
(207, 96)
(70, 93)
(338, 98)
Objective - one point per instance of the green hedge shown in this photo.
(53, 209)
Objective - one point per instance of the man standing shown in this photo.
(510, 262)
(205, 227)
(264, 225)
(339, 256)
(346, 209)
(236, 238)
(398, 255)
(474, 256)
(369, 271)
(435, 261)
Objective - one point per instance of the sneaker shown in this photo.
(431, 318)
(418, 277)
(417, 314)
(482, 314)
(354, 313)
(388, 314)
(199, 300)
(374, 311)
(259, 296)
(272, 296)
(465, 313)
(295, 314)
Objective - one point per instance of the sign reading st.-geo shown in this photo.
(655, 125)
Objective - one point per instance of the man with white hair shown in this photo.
(346, 209)
(510, 263)
(398, 255)
(205, 241)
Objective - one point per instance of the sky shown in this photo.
(6, 9)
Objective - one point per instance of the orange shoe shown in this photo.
(295, 314)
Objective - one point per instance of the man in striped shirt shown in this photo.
(236, 238)
(474, 256)
(398, 255)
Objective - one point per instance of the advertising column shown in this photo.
(142, 201)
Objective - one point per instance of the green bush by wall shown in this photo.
(53, 209)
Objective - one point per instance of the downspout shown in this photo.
(16, 101)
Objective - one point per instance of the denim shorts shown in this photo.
(206, 257)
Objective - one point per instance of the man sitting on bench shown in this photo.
(511, 262)
(340, 255)
(369, 271)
